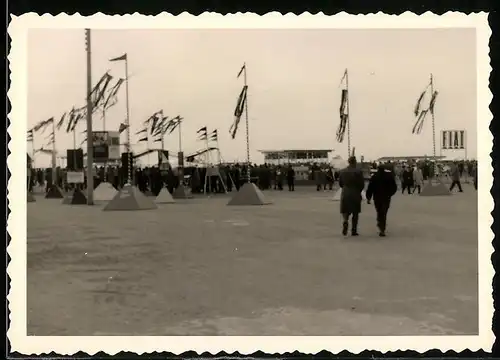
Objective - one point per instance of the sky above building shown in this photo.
(293, 77)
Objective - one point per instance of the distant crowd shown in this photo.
(227, 177)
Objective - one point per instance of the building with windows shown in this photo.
(276, 157)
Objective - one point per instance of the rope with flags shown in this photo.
(421, 111)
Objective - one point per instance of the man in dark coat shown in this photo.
(381, 188)
(352, 182)
(407, 180)
(290, 178)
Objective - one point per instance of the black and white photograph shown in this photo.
(275, 179)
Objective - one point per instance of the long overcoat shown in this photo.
(352, 182)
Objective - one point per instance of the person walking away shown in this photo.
(407, 180)
(329, 178)
(381, 188)
(279, 178)
(290, 178)
(474, 174)
(352, 183)
(418, 179)
(455, 178)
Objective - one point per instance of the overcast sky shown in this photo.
(293, 78)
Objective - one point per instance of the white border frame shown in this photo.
(16, 162)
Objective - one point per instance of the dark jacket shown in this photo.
(407, 177)
(382, 186)
(352, 182)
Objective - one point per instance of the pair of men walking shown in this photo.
(381, 188)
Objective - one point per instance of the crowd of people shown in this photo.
(324, 176)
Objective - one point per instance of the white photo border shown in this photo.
(16, 162)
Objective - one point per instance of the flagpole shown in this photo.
(128, 147)
(348, 115)
(33, 151)
(180, 164)
(105, 177)
(90, 154)
(54, 170)
(433, 129)
(247, 125)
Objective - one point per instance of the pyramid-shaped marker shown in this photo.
(105, 192)
(130, 198)
(438, 189)
(164, 197)
(54, 192)
(249, 194)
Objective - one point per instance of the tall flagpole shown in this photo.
(247, 125)
(129, 150)
(90, 154)
(433, 129)
(348, 115)
(54, 159)
(105, 179)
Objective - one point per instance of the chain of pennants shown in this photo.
(103, 96)
(157, 126)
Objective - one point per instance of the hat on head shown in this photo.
(352, 160)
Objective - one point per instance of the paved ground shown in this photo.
(202, 268)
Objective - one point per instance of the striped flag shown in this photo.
(202, 132)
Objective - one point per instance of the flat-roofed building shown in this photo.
(294, 156)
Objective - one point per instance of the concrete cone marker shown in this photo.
(54, 192)
(78, 198)
(105, 192)
(438, 189)
(249, 194)
(164, 197)
(130, 198)
(182, 192)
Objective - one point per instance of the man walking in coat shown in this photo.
(381, 188)
(352, 182)
(418, 179)
(455, 178)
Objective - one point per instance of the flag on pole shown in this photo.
(173, 124)
(112, 97)
(241, 70)
(344, 115)
(213, 136)
(42, 125)
(97, 93)
(202, 132)
(44, 151)
(144, 130)
(420, 111)
(30, 136)
(119, 58)
(61, 122)
(238, 111)
(122, 128)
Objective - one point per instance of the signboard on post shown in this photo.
(453, 140)
(75, 177)
(106, 146)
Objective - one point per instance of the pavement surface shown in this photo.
(199, 267)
